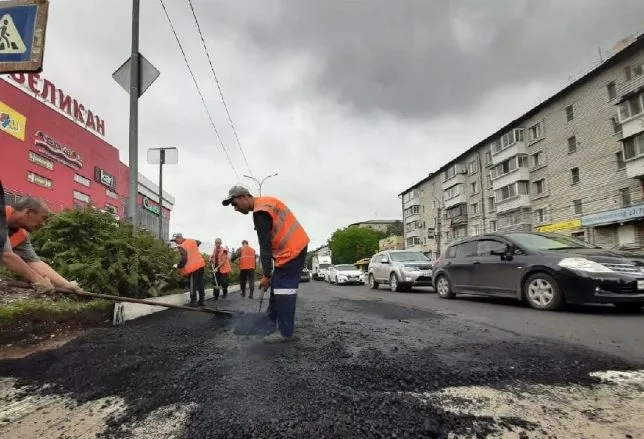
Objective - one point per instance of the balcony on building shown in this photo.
(633, 150)
(509, 145)
(454, 195)
(632, 87)
(412, 232)
(456, 216)
(630, 112)
(517, 220)
(411, 198)
(513, 196)
(411, 213)
(455, 174)
(510, 171)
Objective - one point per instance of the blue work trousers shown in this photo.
(284, 284)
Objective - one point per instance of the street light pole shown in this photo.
(162, 156)
(261, 183)
(133, 164)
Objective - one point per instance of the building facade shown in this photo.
(377, 225)
(422, 206)
(391, 243)
(52, 148)
(571, 165)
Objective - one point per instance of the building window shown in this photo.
(491, 204)
(473, 167)
(39, 180)
(540, 216)
(574, 175)
(452, 171)
(576, 207)
(633, 71)
(40, 160)
(572, 144)
(510, 165)
(507, 140)
(617, 127)
(476, 229)
(625, 196)
(570, 113)
(539, 187)
(431, 233)
(630, 108)
(111, 194)
(512, 190)
(488, 157)
(535, 132)
(493, 226)
(474, 209)
(82, 180)
(619, 157)
(538, 160)
(633, 146)
(81, 197)
(611, 90)
(489, 179)
(453, 191)
(473, 188)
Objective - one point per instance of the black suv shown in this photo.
(545, 269)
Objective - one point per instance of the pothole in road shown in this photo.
(387, 310)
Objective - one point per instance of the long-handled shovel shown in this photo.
(220, 312)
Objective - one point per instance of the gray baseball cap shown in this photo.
(175, 236)
(235, 191)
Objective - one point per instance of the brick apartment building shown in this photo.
(574, 164)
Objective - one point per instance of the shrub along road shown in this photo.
(367, 364)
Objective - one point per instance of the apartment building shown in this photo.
(377, 225)
(421, 206)
(574, 165)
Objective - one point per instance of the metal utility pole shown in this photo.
(260, 183)
(133, 180)
(162, 156)
(438, 232)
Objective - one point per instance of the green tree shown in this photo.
(354, 243)
(309, 259)
(395, 229)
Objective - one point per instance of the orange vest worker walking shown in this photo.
(221, 269)
(283, 242)
(191, 265)
(246, 257)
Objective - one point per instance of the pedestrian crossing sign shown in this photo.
(22, 35)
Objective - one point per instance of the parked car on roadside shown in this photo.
(400, 269)
(306, 275)
(345, 274)
(545, 269)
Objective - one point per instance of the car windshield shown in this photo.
(547, 241)
(345, 267)
(409, 257)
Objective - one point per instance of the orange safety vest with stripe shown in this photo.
(247, 258)
(194, 259)
(225, 268)
(288, 237)
(18, 237)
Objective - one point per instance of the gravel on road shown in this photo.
(357, 369)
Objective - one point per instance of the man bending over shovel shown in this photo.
(281, 239)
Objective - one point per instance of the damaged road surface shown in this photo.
(366, 364)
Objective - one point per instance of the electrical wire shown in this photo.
(203, 100)
(221, 93)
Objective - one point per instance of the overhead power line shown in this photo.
(221, 93)
(203, 100)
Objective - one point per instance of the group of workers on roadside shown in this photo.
(283, 244)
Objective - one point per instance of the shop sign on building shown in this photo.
(560, 226)
(40, 160)
(104, 178)
(613, 216)
(59, 152)
(39, 180)
(12, 122)
(147, 205)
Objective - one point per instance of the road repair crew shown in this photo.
(191, 265)
(246, 256)
(284, 241)
(221, 269)
(25, 216)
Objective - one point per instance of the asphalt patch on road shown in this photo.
(387, 310)
(317, 386)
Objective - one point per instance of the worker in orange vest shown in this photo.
(246, 257)
(191, 265)
(283, 243)
(28, 215)
(221, 269)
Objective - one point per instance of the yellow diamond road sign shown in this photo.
(10, 39)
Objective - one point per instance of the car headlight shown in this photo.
(583, 264)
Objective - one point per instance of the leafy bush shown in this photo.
(106, 256)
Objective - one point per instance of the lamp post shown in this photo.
(162, 156)
(260, 182)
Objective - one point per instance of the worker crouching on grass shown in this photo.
(283, 240)
(191, 265)
(28, 215)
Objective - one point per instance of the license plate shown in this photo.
(640, 284)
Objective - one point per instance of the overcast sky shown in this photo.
(350, 101)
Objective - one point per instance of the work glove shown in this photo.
(43, 286)
(175, 266)
(264, 283)
(73, 286)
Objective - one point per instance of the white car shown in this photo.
(345, 274)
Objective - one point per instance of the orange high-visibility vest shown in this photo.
(225, 268)
(194, 259)
(288, 237)
(247, 258)
(18, 237)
